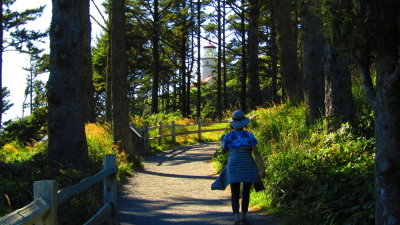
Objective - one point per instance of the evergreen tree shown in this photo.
(39, 63)
(12, 24)
(198, 95)
(156, 58)
(254, 79)
(313, 66)
(88, 91)
(6, 105)
(339, 107)
(219, 60)
(274, 57)
(67, 139)
(370, 31)
(286, 27)
(120, 110)
(243, 79)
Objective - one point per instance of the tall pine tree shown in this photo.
(67, 139)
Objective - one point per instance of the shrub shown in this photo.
(26, 130)
(21, 165)
(100, 142)
(312, 177)
(187, 139)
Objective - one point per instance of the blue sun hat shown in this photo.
(239, 120)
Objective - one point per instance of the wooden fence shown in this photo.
(43, 208)
(200, 125)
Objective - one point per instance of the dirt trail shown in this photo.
(174, 188)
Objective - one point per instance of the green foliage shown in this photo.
(313, 177)
(155, 119)
(209, 100)
(21, 165)
(188, 139)
(365, 115)
(13, 25)
(100, 143)
(35, 89)
(6, 103)
(26, 130)
(220, 160)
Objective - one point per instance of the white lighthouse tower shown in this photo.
(208, 63)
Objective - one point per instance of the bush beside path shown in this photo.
(174, 188)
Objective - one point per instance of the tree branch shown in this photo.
(165, 9)
(98, 23)
(394, 77)
(101, 14)
(367, 84)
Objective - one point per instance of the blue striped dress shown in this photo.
(241, 166)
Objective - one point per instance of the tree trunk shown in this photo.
(174, 96)
(274, 59)
(183, 77)
(67, 140)
(191, 63)
(168, 97)
(254, 79)
(243, 80)
(31, 89)
(387, 116)
(198, 107)
(90, 114)
(120, 105)
(1, 62)
(387, 134)
(219, 60)
(338, 96)
(108, 113)
(156, 59)
(188, 84)
(287, 41)
(187, 68)
(313, 65)
(224, 58)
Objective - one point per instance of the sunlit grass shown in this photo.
(312, 177)
(186, 139)
(100, 142)
(16, 152)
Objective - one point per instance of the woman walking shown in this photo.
(241, 167)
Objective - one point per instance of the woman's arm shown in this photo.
(224, 150)
(259, 160)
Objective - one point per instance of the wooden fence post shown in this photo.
(199, 129)
(173, 131)
(110, 186)
(160, 134)
(146, 137)
(47, 190)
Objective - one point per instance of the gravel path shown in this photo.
(174, 188)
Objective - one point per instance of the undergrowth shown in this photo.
(187, 139)
(22, 164)
(312, 177)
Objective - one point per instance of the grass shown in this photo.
(312, 177)
(100, 142)
(21, 165)
(187, 139)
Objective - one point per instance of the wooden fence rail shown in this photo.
(162, 127)
(43, 208)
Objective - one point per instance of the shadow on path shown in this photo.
(174, 188)
(177, 175)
